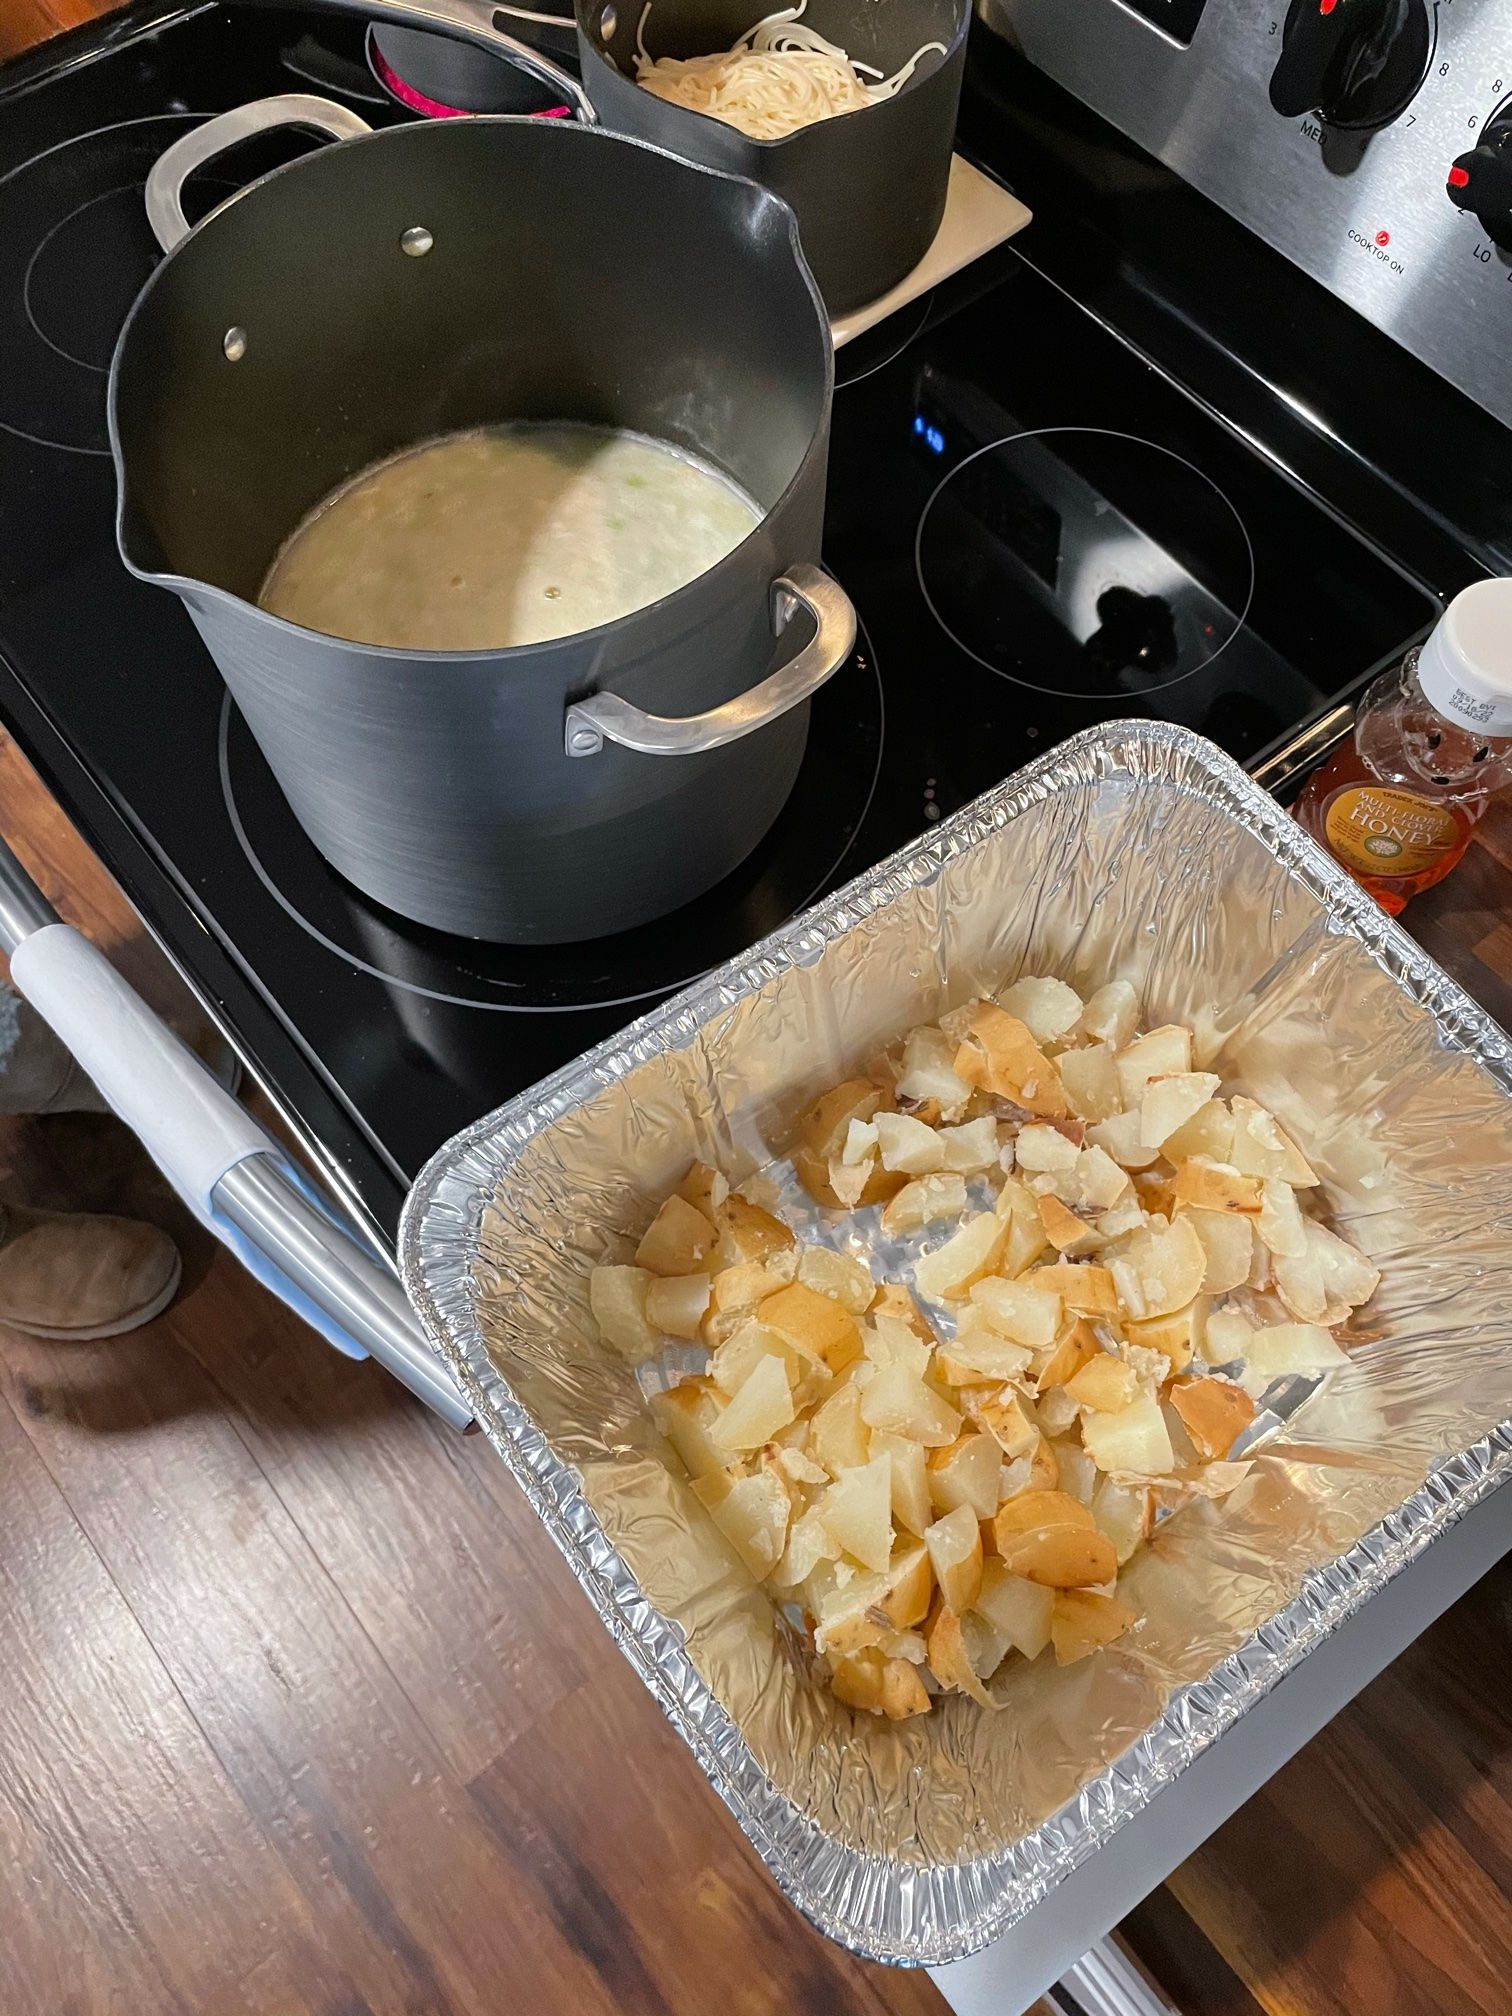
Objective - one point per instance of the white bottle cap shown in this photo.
(1465, 668)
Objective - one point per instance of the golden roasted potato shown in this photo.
(857, 1511)
(705, 1189)
(1083, 1291)
(1262, 1147)
(1134, 1442)
(893, 1299)
(880, 1686)
(899, 1402)
(1071, 1352)
(1178, 1337)
(1048, 1009)
(1214, 1414)
(1159, 1271)
(1059, 1556)
(949, 1662)
(815, 1323)
(1215, 1186)
(1228, 1242)
(912, 1507)
(749, 1232)
(1000, 1056)
(838, 1437)
(840, 1275)
(1069, 1235)
(1209, 1134)
(927, 1200)
(1165, 1052)
(905, 1144)
(1009, 1426)
(678, 1240)
(752, 1513)
(1104, 1383)
(1111, 1015)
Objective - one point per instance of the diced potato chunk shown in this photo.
(928, 1200)
(736, 1359)
(753, 1515)
(912, 1507)
(1209, 1133)
(1215, 1186)
(1348, 1277)
(1160, 1271)
(1227, 1239)
(1119, 1137)
(1176, 1337)
(1083, 1621)
(857, 1511)
(999, 1055)
(860, 1143)
(947, 1274)
(1262, 1147)
(1048, 1009)
(817, 1324)
(949, 1660)
(1009, 1426)
(762, 1406)
(1228, 1337)
(1213, 1413)
(686, 1416)
(704, 1188)
(971, 1148)
(1090, 1079)
(1016, 1607)
(678, 1304)
(1105, 1384)
(1126, 1515)
(848, 1280)
(899, 1402)
(1072, 1351)
(678, 1240)
(1059, 1556)
(1165, 1052)
(889, 1341)
(749, 1231)
(808, 1543)
(980, 1355)
(1280, 1223)
(1043, 1147)
(1111, 1015)
(1068, 1234)
(967, 1472)
(907, 1145)
(1136, 1440)
(617, 1298)
(929, 1073)
(893, 1299)
(1099, 1180)
(1022, 1310)
(1083, 1291)
(839, 1438)
(955, 1551)
(1294, 1347)
(1168, 1103)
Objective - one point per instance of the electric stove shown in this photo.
(1042, 519)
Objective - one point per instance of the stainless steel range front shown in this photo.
(1368, 140)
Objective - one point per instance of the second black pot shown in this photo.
(868, 188)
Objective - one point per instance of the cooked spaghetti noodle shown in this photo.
(779, 76)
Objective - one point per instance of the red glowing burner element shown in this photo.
(1383, 237)
(1327, 6)
(1459, 178)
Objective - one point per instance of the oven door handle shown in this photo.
(231, 1173)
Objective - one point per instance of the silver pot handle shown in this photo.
(169, 173)
(485, 24)
(605, 717)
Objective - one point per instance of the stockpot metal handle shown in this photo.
(486, 25)
(607, 718)
(169, 173)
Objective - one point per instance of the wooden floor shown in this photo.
(301, 1714)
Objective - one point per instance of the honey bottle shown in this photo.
(1432, 742)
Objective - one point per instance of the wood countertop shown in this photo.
(266, 1747)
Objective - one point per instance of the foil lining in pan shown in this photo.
(1135, 850)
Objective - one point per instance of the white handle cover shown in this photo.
(191, 1127)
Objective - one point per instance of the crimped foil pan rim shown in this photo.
(881, 1909)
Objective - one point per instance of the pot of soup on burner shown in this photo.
(488, 458)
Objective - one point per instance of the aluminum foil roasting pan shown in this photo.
(1135, 850)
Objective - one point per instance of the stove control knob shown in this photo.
(1481, 181)
(1353, 62)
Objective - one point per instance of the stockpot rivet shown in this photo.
(417, 241)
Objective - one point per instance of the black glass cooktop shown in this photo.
(1038, 530)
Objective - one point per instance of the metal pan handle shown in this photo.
(605, 717)
(169, 173)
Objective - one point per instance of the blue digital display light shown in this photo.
(930, 435)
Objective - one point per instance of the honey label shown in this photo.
(1377, 831)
